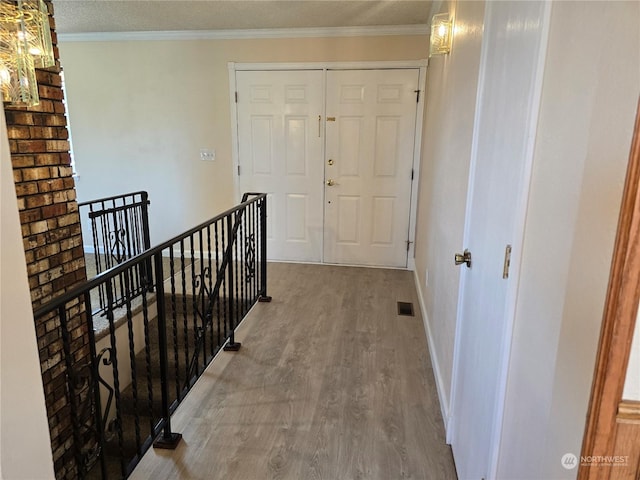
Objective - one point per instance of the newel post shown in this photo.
(263, 252)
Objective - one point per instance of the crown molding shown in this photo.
(368, 31)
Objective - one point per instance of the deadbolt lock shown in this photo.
(330, 161)
(464, 257)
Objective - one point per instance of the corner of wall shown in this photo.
(24, 429)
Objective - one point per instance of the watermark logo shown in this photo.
(569, 461)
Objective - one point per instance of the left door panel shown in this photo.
(280, 147)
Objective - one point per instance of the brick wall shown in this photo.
(52, 240)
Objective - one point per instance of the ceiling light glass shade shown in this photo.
(441, 34)
(36, 17)
(18, 81)
(17, 69)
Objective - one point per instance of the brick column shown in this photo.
(52, 239)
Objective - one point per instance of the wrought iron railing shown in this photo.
(154, 348)
(119, 231)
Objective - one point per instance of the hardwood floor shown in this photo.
(330, 383)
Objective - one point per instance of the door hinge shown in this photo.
(236, 97)
(409, 242)
(412, 174)
(417, 96)
(238, 170)
(507, 262)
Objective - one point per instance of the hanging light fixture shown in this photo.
(441, 34)
(25, 43)
(38, 38)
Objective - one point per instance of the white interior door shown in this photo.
(280, 149)
(508, 95)
(370, 130)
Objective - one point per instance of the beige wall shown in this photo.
(25, 448)
(141, 111)
(446, 151)
(590, 92)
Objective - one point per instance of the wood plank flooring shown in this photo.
(330, 383)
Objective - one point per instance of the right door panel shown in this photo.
(370, 133)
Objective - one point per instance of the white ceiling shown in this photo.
(86, 16)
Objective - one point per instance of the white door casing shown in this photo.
(281, 248)
(281, 146)
(370, 135)
(512, 62)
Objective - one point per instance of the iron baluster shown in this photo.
(225, 281)
(236, 281)
(168, 439)
(128, 248)
(216, 233)
(117, 423)
(209, 261)
(146, 237)
(132, 359)
(240, 261)
(194, 319)
(231, 345)
(184, 316)
(204, 290)
(174, 322)
(71, 383)
(147, 354)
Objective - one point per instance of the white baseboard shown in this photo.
(411, 264)
(91, 249)
(443, 397)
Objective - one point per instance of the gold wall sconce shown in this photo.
(441, 35)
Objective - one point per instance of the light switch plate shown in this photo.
(207, 155)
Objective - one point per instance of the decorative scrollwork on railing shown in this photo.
(105, 358)
(117, 245)
(250, 257)
(84, 382)
(203, 295)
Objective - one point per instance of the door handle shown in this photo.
(331, 183)
(464, 257)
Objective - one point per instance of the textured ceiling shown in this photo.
(83, 16)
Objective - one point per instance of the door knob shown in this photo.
(465, 257)
(331, 183)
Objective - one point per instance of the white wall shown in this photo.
(140, 112)
(590, 92)
(452, 83)
(25, 445)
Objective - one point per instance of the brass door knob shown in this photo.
(464, 257)
(331, 183)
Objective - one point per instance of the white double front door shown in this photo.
(334, 150)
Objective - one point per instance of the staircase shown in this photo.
(135, 400)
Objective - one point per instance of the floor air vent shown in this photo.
(405, 308)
